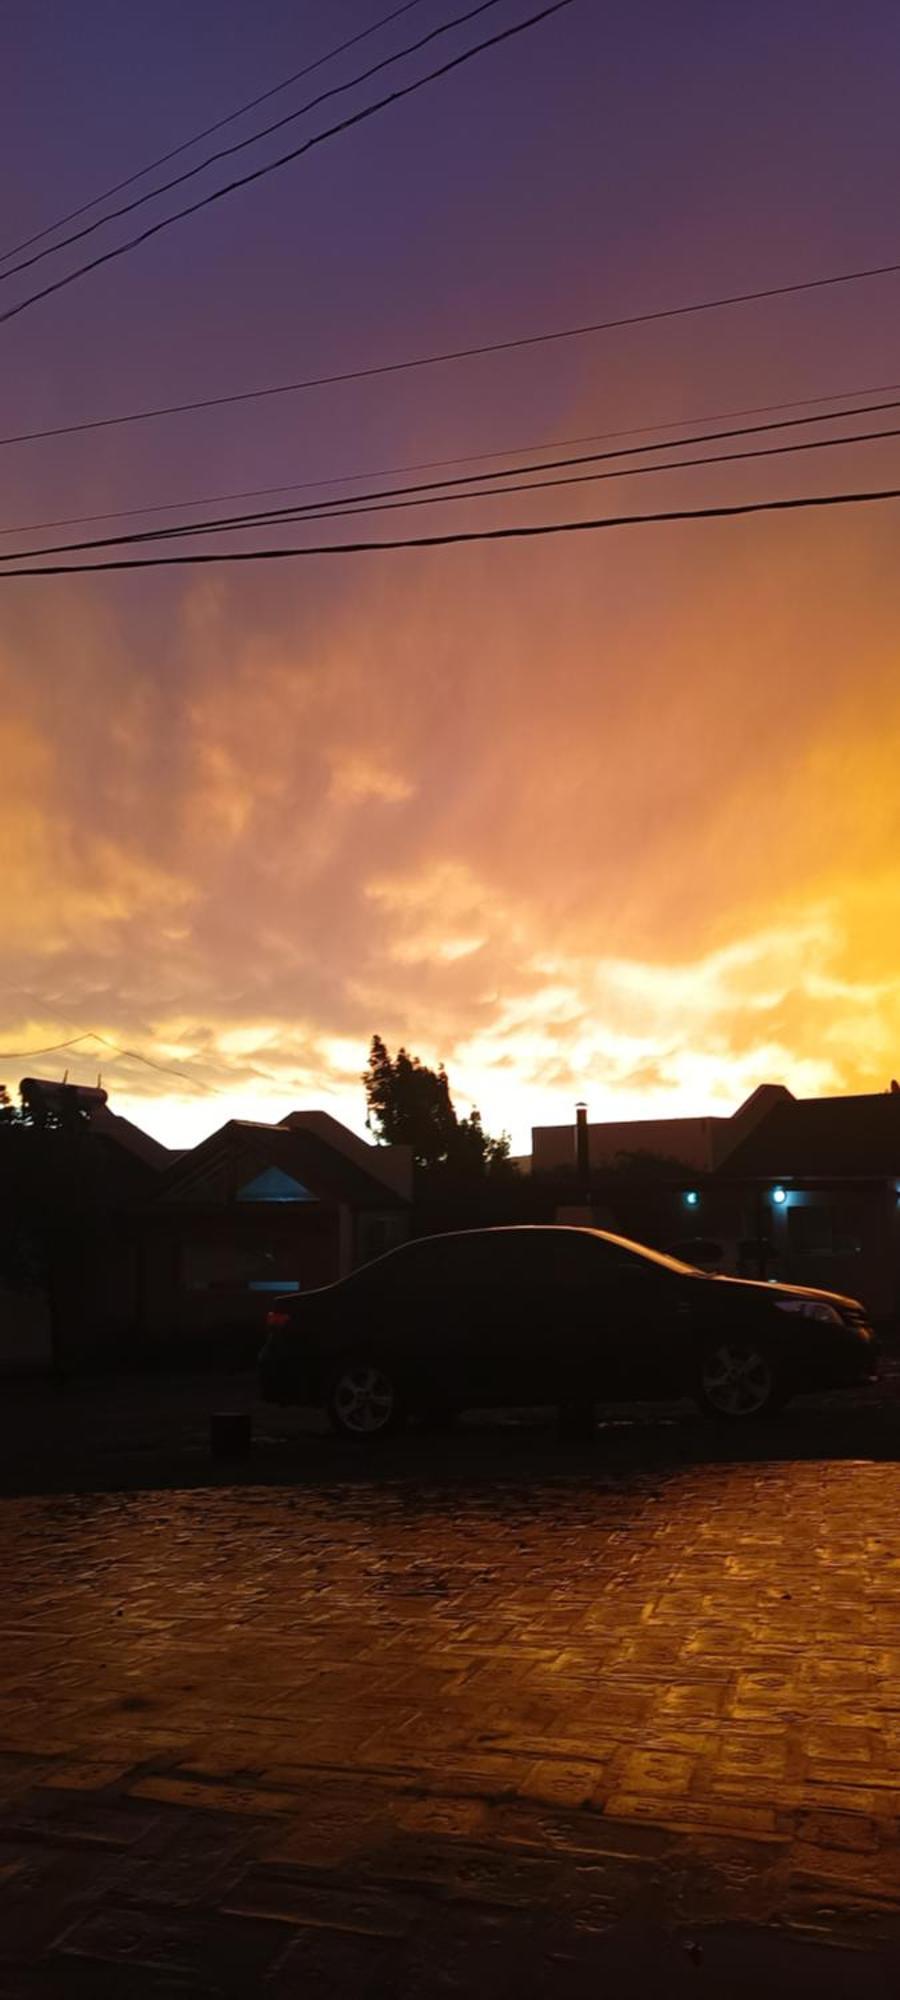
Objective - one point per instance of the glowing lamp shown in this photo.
(691, 1199)
(779, 1196)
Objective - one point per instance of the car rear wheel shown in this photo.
(364, 1400)
(738, 1380)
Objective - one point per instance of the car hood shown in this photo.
(781, 1291)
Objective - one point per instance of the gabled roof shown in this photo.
(121, 1132)
(823, 1136)
(391, 1164)
(233, 1158)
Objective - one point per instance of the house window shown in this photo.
(378, 1233)
(274, 1185)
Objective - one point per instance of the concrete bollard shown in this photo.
(230, 1434)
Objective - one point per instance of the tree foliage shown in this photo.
(45, 1107)
(410, 1105)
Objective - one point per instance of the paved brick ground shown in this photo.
(536, 1726)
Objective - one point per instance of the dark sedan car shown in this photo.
(537, 1315)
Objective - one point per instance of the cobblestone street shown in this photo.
(534, 1727)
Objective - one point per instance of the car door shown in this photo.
(445, 1315)
(468, 1317)
(620, 1318)
(504, 1291)
(412, 1294)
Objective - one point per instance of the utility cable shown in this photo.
(447, 355)
(91, 1035)
(49, 1049)
(240, 145)
(459, 536)
(284, 159)
(208, 130)
(392, 497)
(474, 458)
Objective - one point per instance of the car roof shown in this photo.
(536, 1229)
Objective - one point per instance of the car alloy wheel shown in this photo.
(364, 1401)
(737, 1379)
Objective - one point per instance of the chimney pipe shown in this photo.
(582, 1149)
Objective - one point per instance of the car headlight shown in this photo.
(811, 1309)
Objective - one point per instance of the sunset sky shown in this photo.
(612, 816)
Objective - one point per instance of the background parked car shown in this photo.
(727, 1256)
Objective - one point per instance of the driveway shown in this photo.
(491, 1716)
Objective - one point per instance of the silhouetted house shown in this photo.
(111, 1244)
(827, 1175)
(847, 1137)
(259, 1209)
(73, 1180)
(699, 1143)
(805, 1189)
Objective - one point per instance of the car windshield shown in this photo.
(642, 1254)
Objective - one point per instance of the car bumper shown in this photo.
(849, 1364)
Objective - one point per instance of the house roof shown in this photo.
(823, 1136)
(121, 1132)
(241, 1151)
(391, 1164)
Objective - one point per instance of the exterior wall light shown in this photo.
(691, 1199)
(779, 1196)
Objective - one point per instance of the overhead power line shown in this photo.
(452, 354)
(207, 132)
(462, 535)
(284, 159)
(390, 498)
(49, 1049)
(252, 139)
(91, 1035)
(164, 1069)
(478, 457)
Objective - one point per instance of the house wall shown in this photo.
(376, 1233)
(213, 1271)
(841, 1239)
(691, 1140)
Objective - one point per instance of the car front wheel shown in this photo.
(738, 1380)
(364, 1401)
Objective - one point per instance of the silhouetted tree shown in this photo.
(410, 1105)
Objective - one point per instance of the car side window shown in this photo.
(589, 1260)
(417, 1267)
(520, 1258)
(474, 1262)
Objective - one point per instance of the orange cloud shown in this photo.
(618, 819)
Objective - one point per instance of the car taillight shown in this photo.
(275, 1319)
